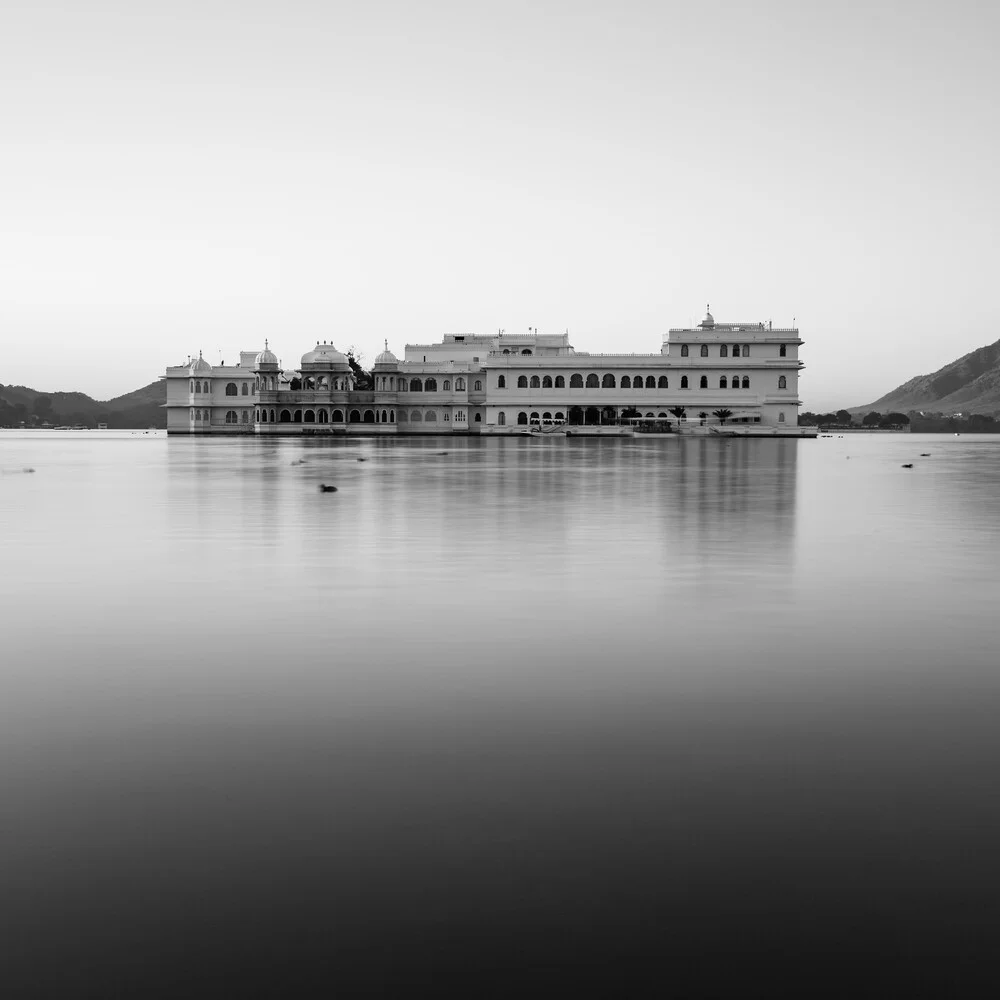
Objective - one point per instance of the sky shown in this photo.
(204, 175)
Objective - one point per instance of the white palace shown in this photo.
(505, 384)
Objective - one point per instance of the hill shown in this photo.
(142, 408)
(969, 385)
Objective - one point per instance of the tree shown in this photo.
(843, 417)
(703, 416)
(872, 419)
(807, 419)
(42, 406)
(679, 412)
(362, 379)
(630, 413)
(898, 419)
(723, 414)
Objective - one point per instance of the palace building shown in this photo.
(503, 384)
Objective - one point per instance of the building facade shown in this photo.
(715, 373)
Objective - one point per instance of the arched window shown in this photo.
(369, 417)
(592, 381)
(392, 416)
(415, 417)
(781, 418)
(206, 386)
(416, 385)
(746, 350)
(663, 383)
(323, 417)
(736, 381)
(723, 383)
(430, 385)
(501, 382)
(723, 351)
(560, 415)
(197, 387)
(637, 384)
(547, 382)
(650, 382)
(746, 382)
(309, 417)
(736, 350)
(231, 389)
(560, 382)
(192, 386)
(355, 417)
(782, 351)
(522, 381)
(608, 382)
(527, 351)
(534, 418)
(703, 384)
(246, 389)
(501, 418)
(245, 416)
(193, 413)
(263, 416)
(402, 385)
(430, 416)
(684, 381)
(782, 382)
(385, 416)
(231, 417)
(684, 350)
(704, 350)
(536, 382)
(297, 417)
(337, 417)
(460, 385)
(576, 381)
(478, 418)
(446, 387)
(522, 417)
(626, 382)
(547, 417)
(477, 386)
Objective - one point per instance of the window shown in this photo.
(246, 417)
(608, 382)
(522, 417)
(782, 382)
(703, 384)
(663, 383)
(402, 385)
(522, 381)
(592, 381)
(560, 382)
(534, 418)
(392, 416)
(547, 382)
(746, 350)
(736, 350)
(781, 418)
(447, 415)
(478, 418)
(477, 386)
(309, 417)
(501, 382)
(430, 416)
(736, 381)
(650, 382)
(246, 390)
(723, 351)
(782, 351)
(263, 416)
(684, 381)
(416, 385)
(547, 417)
(527, 351)
(684, 350)
(704, 350)
(197, 387)
(192, 387)
(626, 382)
(231, 389)
(501, 418)
(323, 417)
(560, 415)
(415, 417)
(337, 416)
(536, 382)
(447, 385)
(723, 383)
(460, 385)
(746, 382)
(231, 417)
(637, 384)
(192, 414)
(576, 381)
(430, 385)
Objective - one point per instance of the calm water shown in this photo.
(523, 714)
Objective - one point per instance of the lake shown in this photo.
(499, 714)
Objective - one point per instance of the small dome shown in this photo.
(326, 355)
(201, 365)
(387, 357)
(709, 319)
(266, 357)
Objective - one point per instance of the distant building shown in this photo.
(499, 383)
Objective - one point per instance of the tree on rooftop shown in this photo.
(362, 378)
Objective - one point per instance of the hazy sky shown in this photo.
(202, 175)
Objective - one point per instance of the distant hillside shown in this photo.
(969, 385)
(142, 408)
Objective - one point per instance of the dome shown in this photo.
(709, 319)
(266, 357)
(201, 365)
(326, 355)
(387, 357)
